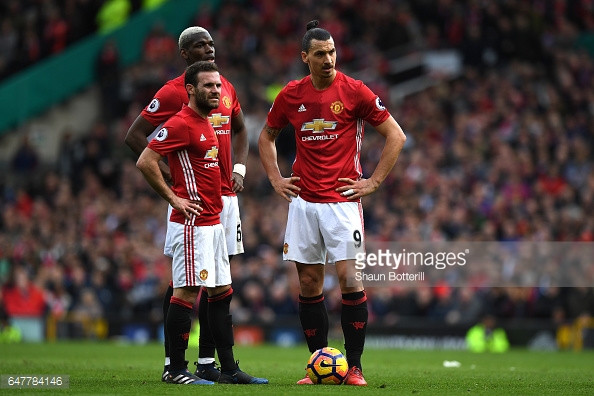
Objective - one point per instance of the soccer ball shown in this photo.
(327, 366)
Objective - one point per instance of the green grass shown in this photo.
(109, 368)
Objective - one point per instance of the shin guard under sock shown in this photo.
(206, 345)
(354, 325)
(166, 302)
(314, 321)
(221, 328)
(178, 326)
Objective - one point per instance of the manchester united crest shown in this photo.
(337, 107)
(203, 275)
(286, 248)
(227, 102)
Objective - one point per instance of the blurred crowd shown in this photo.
(31, 30)
(502, 153)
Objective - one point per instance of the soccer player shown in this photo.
(198, 244)
(196, 44)
(325, 221)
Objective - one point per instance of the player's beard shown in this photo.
(203, 102)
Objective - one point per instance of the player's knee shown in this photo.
(350, 284)
(311, 284)
(188, 293)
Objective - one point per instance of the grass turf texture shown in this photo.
(110, 368)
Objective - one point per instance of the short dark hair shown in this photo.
(314, 33)
(194, 69)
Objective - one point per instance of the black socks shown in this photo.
(314, 321)
(221, 328)
(178, 326)
(354, 325)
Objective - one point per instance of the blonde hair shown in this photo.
(184, 37)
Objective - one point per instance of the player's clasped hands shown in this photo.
(355, 189)
(286, 188)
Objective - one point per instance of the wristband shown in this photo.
(239, 169)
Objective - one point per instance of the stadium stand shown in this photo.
(499, 149)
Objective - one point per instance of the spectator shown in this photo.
(160, 47)
(22, 297)
(88, 308)
(26, 158)
(8, 44)
(486, 337)
(55, 35)
(108, 76)
(112, 15)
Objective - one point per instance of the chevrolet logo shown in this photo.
(212, 153)
(318, 125)
(216, 120)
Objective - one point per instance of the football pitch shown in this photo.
(122, 369)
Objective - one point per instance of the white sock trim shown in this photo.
(206, 360)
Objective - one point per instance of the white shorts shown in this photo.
(231, 222)
(199, 256)
(323, 232)
(167, 248)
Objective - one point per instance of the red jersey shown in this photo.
(191, 147)
(29, 302)
(170, 99)
(328, 131)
